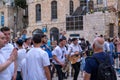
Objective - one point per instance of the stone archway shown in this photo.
(54, 34)
(37, 31)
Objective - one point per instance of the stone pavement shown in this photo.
(79, 78)
(69, 78)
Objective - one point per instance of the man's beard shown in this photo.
(43, 42)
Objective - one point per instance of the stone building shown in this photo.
(8, 16)
(79, 18)
(118, 11)
(118, 5)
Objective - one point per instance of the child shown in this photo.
(21, 56)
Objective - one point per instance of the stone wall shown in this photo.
(9, 20)
(63, 11)
(97, 22)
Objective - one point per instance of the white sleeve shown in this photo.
(45, 59)
(23, 62)
(54, 52)
(72, 53)
(108, 48)
(66, 52)
(80, 48)
(2, 59)
(70, 49)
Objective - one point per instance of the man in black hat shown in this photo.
(27, 43)
(59, 54)
(74, 51)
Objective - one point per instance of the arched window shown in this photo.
(38, 12)
(54, 9)
(71, 7)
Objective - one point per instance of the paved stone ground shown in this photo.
(69, 78)
(79, 78)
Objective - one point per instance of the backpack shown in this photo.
(105, 70)
(115, 55)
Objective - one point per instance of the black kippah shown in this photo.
(62, 38)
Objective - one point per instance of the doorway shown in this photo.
(54, 34)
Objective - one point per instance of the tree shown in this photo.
(21, 3)
(18, 4)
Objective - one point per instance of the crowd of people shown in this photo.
(36, 58)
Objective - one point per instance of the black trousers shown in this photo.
(59, 72)
(19, 77)
(76, 68)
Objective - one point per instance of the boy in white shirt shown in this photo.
(23, 69)
(5, 73)
(21, 56)
(37, 61)
(7, 50)
(59, 56)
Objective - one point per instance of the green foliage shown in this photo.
(21, 3)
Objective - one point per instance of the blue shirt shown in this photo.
(23, 37)
(49, 43)
(47, 49)
(112, 47)
(91, 65)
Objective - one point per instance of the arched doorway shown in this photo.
(54, 34)
(37, 31)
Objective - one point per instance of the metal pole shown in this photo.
(74, 24)
(88, 5)
(15, 25)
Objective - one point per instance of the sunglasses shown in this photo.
(62, 54)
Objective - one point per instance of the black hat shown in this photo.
(27, 38)
(73, 39)
(19, 41)
(62, 38)
(69, 39)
